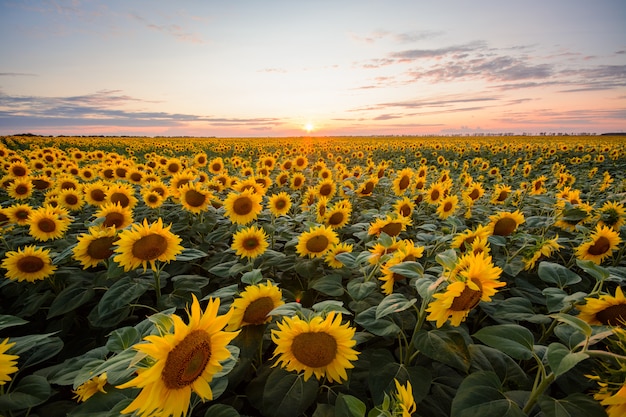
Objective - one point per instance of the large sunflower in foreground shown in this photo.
(253, 305)
(605, 310)
(243, 208)
(145, 244)
(250, 242)
(320, 347)
(8, 363)
(29, 264)
(504, 223)
(95, 246)
(476, 283)
(601, 245)
(316, 241)
(47, 223)
(181, 362)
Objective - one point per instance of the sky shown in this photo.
(299, 68)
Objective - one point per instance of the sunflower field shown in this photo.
(319, 277)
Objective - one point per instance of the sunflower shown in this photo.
(331, 256)
(95, 193)
(612, 214)
(447, 206)
(8, 363)
(402, 182)
(406, 253)
(320, 347)
(404, 207)
(250, 242)
(216, 165)
(21, 188)
(122, 194)
(615, 403)
(194, 197)
(254, 304)
(152, 199)
(404, 402)
(546, 247)
(367, 187)
(147, 243)
(18, 213)
(500, 194)
(537, 186)
(379, 250)
(279, 204)
(178, 180)
(181, 362)
(29, 264)
(463, 240)
(338, 216)
(320, 208)
(46, 223)
(115, 215)
(316, 241)
(298, 180)
(476, 282)
(605, 310)
(473, 192)
(91, 387)
(435, 193)
(18, 169)
(391, 225)
(601, 246)
(327, 188)
(243, 208)
(504, 223)
(95, 246)
(71, 199)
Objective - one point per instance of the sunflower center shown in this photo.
(280, 204)
(502, 196)
(335, 218)
(314, 349)
(613, 315)
(113, 219)
(22, 214)
(150, 247)
(195, 198)
(600, 246)
(404, 183)
(326, 189)
(71, 199)
(101, 248)
(120, 198)
(30, 264)
(251, 243)
(97, 195)
(47, 225)
(474, 194)
(256, 313)
(468, 299)
(216, 167)
(392, 229)
(21, 189)
(447, 207)
(317, 244)
(405, 210)
(434, 195)
(186, 362)
(19, 171)
(369, 187)
(504, 226)
(242, 206)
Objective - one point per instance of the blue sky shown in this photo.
(252, 68)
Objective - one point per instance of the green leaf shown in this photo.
(40, 352)
(287, 309)
(409, 269)
(101, 404)
(512, 339)
(553, 273)
(70, 298)
(359, 290)
(447, 259)
(117, 367)
(287, 394)
(515, 309)
(330, 305)
(252, 277)
(445, 346)
(10, 321)
(30, 391)
(480, 395)
(329, 285)
(573, 405)
(221, 410)
(121, 293)
(561, 359)
(393, 303)
(575, 322)
(348, 259)
(379, 327)
(121, 339)
(485, 358)
(190, 254)
(598, 272)
(349, 406)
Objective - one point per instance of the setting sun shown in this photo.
(308, 126)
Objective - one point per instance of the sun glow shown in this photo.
(308, 127)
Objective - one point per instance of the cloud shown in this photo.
(455, 50)
(102, 108)
(170, 29)
(402, 37)
(17, 74)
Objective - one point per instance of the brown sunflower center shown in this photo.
(314, 349)
(447, 207)
(404, 183)
(195, 198)
(113, 219)
(280, 204)
(613, 315)
(47, 225)
(18, 171)
(216, 167)
(405, 210)
(251, 243)
(600, 246)
(97, 195)
(242, 206)
(22, 214)
(256, 313)
(502, 196)
(186, 362)
(150, 247)
(325, 190)
(71, 199)
(468, 299)
(336, 218)
(474, 194)
(30, 264)
(100, 248)
(504, 226)
(392, 229)
(121, 199)
(317, 244)
(434, 195)
(297, 182)
(21, 189)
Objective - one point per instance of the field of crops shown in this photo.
(391, 276)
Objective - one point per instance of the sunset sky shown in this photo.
(270, 68)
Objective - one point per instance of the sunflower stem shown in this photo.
(537, 391)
